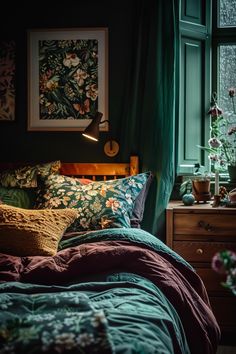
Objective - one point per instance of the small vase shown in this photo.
(232, 173)
(188, 199)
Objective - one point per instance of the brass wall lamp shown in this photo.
(111, 147)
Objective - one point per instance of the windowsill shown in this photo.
(224, 177)
(224, 181)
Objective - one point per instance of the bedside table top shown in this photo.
(178, 205)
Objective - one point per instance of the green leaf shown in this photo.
(207, 149)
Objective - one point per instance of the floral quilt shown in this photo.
(51, 323)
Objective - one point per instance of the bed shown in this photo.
(78, 274)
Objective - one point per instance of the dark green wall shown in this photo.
(16, 143)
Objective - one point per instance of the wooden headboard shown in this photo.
(92, 170)
(103, 171)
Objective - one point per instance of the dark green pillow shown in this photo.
(18, 197)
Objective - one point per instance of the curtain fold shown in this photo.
(149, 122)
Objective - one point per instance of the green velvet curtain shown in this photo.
(148, 125)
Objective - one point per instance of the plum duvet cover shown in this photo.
(107, 291)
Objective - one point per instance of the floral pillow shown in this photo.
(23, 177)
(139, 204)
(100, 204)
(26, 176)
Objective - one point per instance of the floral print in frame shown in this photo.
(7, 80)
(67, 78)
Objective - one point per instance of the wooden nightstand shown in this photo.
(196, 233)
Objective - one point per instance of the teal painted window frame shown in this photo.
(195, 27)
(211, 36)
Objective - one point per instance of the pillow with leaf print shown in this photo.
(27, 176)
(19, 197)
(100, 204)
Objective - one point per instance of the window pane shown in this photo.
(227, 75)
(227, 13)
(227, 80)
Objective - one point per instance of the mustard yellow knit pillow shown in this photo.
(26, 232)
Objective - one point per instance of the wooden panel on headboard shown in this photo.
(104, 170)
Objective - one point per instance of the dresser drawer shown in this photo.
(194, 251)
(204, 224)
(212, 282)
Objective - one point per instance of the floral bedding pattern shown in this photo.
(63, 322)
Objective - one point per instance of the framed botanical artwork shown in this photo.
(67, 78)
(7, 80)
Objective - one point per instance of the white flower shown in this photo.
(85, 339)
(64, 341)
(71, 60)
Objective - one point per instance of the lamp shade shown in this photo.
(92, 130)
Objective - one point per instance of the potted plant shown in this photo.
(198, 186)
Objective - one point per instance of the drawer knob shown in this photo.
(205, 226)
(199, 251)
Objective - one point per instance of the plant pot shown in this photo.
(232, 173)
(201, 190)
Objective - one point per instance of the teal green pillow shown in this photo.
(101, 204)
(18, 197)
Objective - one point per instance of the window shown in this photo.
(224, 50)
(207, 65)
(224, 56)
